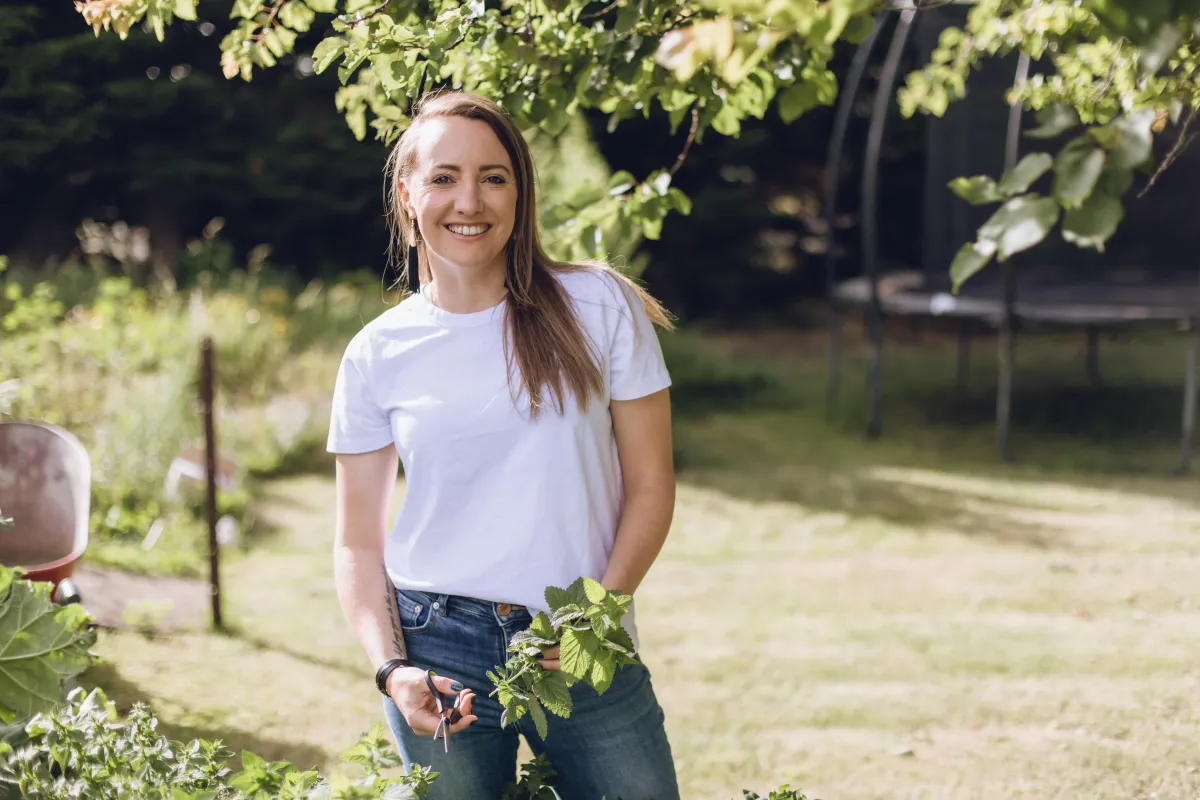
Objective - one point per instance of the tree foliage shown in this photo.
(709, 66)
(1119, 71)
(1112, 75)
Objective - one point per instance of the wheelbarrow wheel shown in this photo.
(66, 593)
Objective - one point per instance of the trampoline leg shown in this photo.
(833, 375)
(1189, 404)
(875, 376)
(963, 372)
(1008, 341)
(1008, 324)
(870, 209)
(1093, 357)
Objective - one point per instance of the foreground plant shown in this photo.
(85, 750)
(42, 646)
(585, 622)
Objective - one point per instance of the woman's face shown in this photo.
(463, 193)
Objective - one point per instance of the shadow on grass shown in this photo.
(758, 431)
(125, 694)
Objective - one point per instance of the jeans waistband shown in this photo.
(453, 604)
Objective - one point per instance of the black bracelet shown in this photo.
(386, 669)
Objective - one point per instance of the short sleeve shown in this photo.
(357, 424)
(636, 365)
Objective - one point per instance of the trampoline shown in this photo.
(1136, 284)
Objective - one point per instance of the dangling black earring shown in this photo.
(414, 269)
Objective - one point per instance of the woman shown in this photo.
(528, 401)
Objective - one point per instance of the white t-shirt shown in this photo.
(498, 507)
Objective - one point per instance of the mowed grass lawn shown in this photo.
(903, 618)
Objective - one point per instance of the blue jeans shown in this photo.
(613, 746)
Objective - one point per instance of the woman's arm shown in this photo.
(365, 484)
(643, 432)
(364, 487)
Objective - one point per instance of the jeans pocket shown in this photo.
(416, 611)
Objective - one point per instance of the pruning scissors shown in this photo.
(448, 715)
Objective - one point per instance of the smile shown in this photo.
(468, 230)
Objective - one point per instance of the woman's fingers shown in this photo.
(549, 658)
(465, 702)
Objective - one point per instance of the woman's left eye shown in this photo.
(496, 179)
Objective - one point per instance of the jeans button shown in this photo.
(504, 609)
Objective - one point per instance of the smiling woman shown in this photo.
(527, 399)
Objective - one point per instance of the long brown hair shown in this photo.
(543, 340)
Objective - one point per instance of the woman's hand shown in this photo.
(408, 691)
(549, 658)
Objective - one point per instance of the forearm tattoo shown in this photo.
(394, 614)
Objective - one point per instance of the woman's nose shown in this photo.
(469, 200)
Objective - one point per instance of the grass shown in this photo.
(901, 618)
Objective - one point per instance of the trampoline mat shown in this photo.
(1104, 297)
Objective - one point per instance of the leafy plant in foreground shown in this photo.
(84, 750)
(43, 646)
(585, 622)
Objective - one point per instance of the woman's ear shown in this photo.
(406, 199)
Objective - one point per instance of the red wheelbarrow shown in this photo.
(45, 490)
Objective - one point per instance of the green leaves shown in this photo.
(981, 189)
(977, 190)
(815, 88)
(84, 749)
(971, 258)
(1076, 171)
(1129, 139)
(1094, 222)
(1054, 120)
(327, 52)
(42, 646)
(585, 623)
(1022, 176)
(1020, 224)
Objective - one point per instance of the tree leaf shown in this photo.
(556, 598)
(1018, 179)
(593, 589)
(327, 53)
(971, 259)
(541, 626)
(1020, 224)
(604, 669)
(554, 694)
(977, 190)
(1093, 223)
(42, 646)
(297, 15)
(1129, 139)
(628, 16)
(803, 96)
(1076, 171)
(185, 9)
(539, 719)
(1158, 47)
(573, 658)
(1054, 120)
(323, 6)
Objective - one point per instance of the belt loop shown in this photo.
(443, 604)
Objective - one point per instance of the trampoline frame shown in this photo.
(1009, 319)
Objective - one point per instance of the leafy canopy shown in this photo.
(1117, 73)
(1121, 71)
(711, 64)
